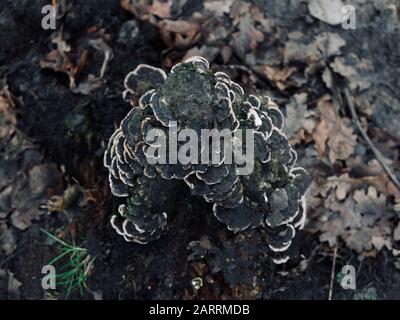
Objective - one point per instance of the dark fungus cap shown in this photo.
(192, 96)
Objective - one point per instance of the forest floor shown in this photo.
(61, 100)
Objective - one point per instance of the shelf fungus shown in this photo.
(150, 152)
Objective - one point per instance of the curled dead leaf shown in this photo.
(333, 131)
(342, 142)
(179, 32)
(275, 74)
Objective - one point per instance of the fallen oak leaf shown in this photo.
(341, 185)
(321, 135)
(301, 48)
(296, 113)
(323, 129)
(138, 8)
(342, 142)
(381, 182)
(362, 221)
(8, 115)
(370, 204)
(382, 235)
(359, 240)
(150, 10)
(331, 230)
(333, 131)
(350, 217)
(358, 72)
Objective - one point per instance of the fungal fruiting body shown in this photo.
(193, 97)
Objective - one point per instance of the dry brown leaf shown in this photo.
(300, 48)
(238, 9)
(7, 106)
(249, 31)
(324, 128)
(355, 70)
(329, 43)
(371, 204)
(58, 59)
(180, 26)
(359, 240)
(30, 191)
(382, 235)
(180, 32)
(321, 135)
(331, 231)
(341, 143)
(296, 114)
(350, 217)
(161, 8)
(138, 8)
(341, 186)
(362, 221)
(333, 131)
(275, 74)
(258, 15)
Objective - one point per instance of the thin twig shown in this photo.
(376, 152)
(332, 274)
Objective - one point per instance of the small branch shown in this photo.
(376, 152)
(332, 274)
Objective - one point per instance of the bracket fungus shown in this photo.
(193, 97)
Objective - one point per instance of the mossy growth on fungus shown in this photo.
(194, 97)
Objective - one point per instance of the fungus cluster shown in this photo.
(193, 97)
